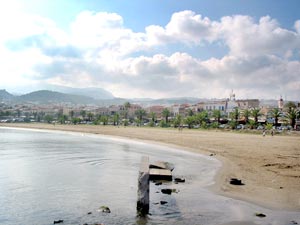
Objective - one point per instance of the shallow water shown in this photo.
(47, 176)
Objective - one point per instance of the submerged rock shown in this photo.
(105, 209)
(166, 191)
(260, 215)
(163, 202)
(58, 221)
(169, 191)
(235, 181)
(179, 180)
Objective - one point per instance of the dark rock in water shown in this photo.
(163, 202)
(158, 183)
(293, 222)
(179, 180)
(105, 209)
(58, 221)
(89, 213)
(280, 187)
(166, 191)
(235, 181)
(260, 215)
(169, 191)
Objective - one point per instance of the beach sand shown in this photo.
(268, 166)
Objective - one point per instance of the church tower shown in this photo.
(280, 103)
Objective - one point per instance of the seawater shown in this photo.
(47, 176)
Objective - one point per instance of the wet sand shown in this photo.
(269, 166)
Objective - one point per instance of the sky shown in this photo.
(153, 48)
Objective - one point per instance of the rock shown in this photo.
(89, 213)
(179, 180)
(235, 181)
(169, 191)
(166, 191)
(163, 202)
(58, 221)
(158, 183)
(105, 209)
(293, 222)
(260, 215)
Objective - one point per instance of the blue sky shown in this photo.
(154, 48)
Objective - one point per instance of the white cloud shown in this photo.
(297, 26)
(186, 27)
(99, 50)
(244, 37)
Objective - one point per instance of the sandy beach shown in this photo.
(268, 166)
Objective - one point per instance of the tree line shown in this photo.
(204, 119)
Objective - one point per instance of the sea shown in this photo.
(68, 177)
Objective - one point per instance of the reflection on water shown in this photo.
(47, 176)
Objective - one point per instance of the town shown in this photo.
(230, 113)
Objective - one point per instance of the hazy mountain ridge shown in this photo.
(5, 96)
(92, 92)
(46, 96)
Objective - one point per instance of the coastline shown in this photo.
(269, 166)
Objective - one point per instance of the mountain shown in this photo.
(5, 96)
(96, 93)
(45, 96)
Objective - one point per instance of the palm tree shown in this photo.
(235, 114)
(190, 120)
(116, 119)
(71, 114)
(292, 115)
(178, 121)
(255, 113)
(48, 118)
(190, 112)
(104, 120)
(246, 114)
(217, 115)
(140, 113)
(275, 114)
(201, 117)
(62, 119)
(126, 106)
(166, 114)
(83, 114)
(90, 116)
(290, 105)
(153, 116)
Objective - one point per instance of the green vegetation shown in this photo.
(191, 119)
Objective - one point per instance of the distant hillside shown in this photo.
(45, 96)
(96, 93)
(5, 96)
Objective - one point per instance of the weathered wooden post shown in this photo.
(143, 187)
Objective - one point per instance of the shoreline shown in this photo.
(269, 166)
